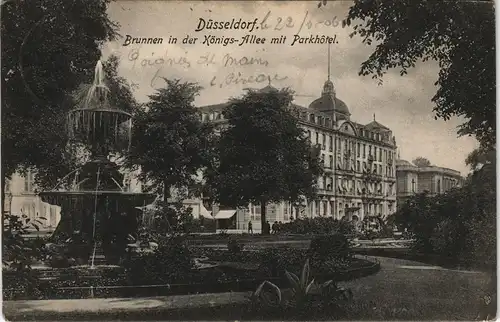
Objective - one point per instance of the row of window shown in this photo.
(327, 208)
(447, 185)
(326, 183)
(327, 122)
(361, 149)
(366, 167)
(316, 119)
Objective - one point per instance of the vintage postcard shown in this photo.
(248, 160)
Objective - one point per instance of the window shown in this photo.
(359, 150)
(317, 138)
(375, 153)
(364, 150)
(369, 150)
(309, 134)
(357, 165)
(331, 161)
(28, 182)
(311, 118)
(324, 141)
(52, 218)
(380, 155)
(331, 143)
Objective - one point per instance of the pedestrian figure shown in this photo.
(275, 227)
(250, 228)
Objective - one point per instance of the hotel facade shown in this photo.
(359, 180)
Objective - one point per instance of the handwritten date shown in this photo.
(281, 22)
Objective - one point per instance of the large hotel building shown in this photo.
(359, 162)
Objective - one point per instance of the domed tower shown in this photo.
(328, 102)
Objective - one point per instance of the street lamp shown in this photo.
(413, 185)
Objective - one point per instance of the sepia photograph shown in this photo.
(316, 160)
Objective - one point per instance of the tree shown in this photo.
(48, 49)
(263, 155)
(421, 162)
(459, 35)
(481, 157)
(169, 141)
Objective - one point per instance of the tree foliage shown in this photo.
(48, 49)
(481, 157)
(459, 35)
(421, 162)
(460, 223)
(169, 141)
(264, 155)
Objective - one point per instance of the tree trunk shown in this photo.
(3, 197)
(263, 226)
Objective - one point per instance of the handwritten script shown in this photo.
(162, 61)
(274, 22)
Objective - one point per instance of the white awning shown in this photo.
(205, 213)
(225, 214)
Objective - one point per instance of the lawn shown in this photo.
(407, 290)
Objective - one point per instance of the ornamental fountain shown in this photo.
(97, 213)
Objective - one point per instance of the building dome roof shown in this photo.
(328, 103)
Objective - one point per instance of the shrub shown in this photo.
(170, 262)
(234, 246)
(275, 261)
(329, 247)
(18, 253)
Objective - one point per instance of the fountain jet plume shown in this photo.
(95, 121)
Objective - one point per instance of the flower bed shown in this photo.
(175, 268)
(229, 276)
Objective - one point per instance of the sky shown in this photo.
(402, 103)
